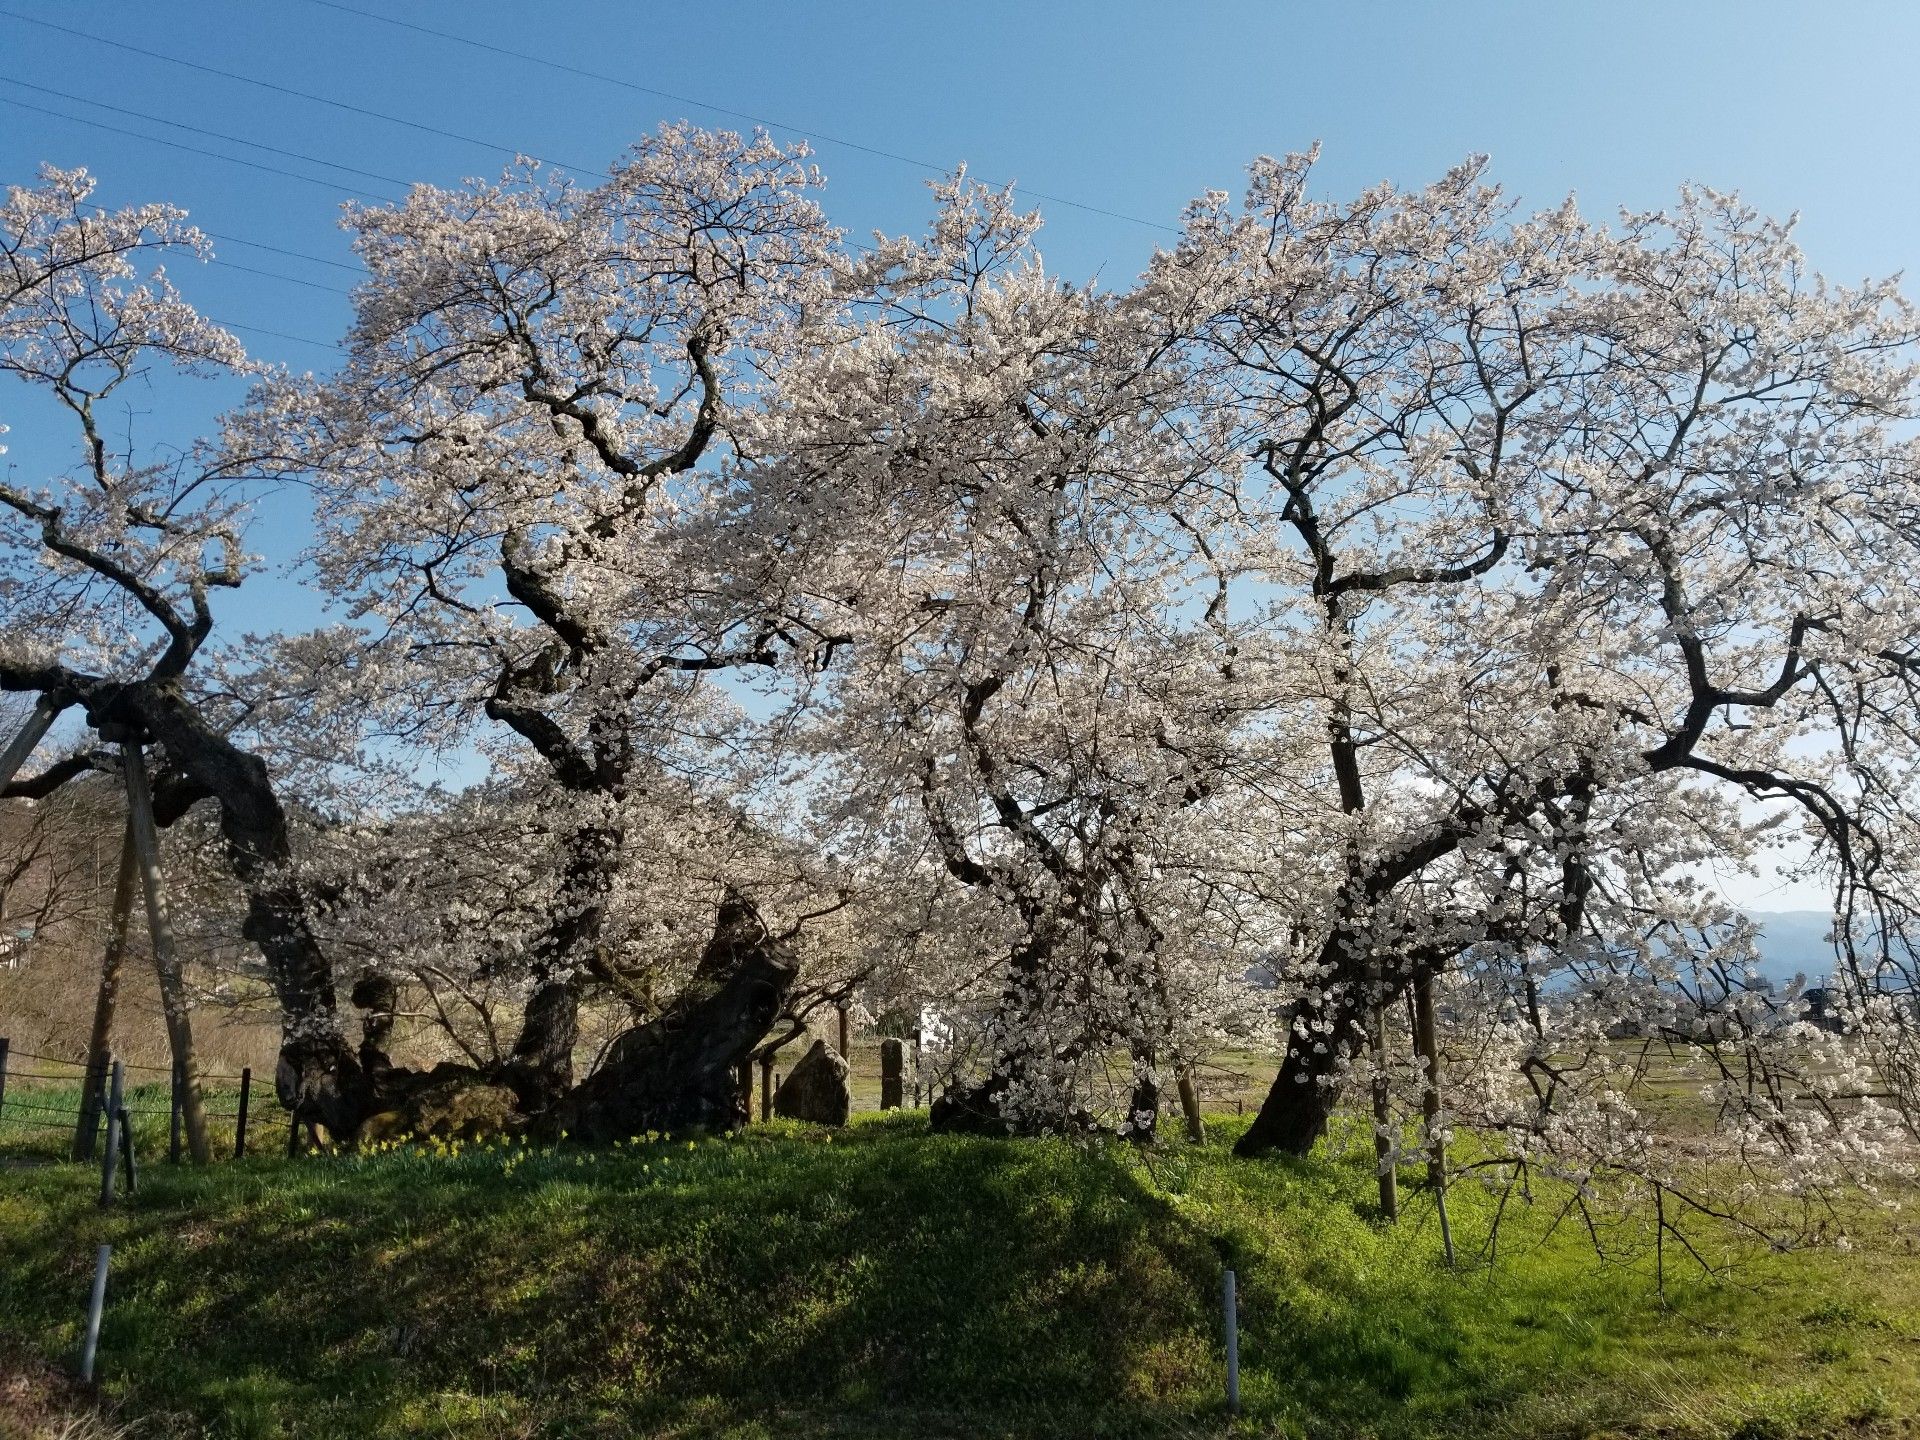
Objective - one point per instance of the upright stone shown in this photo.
(893, 1070)
(816, 1089)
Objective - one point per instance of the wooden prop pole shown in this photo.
(166, 960)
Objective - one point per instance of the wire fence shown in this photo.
(55, 1108)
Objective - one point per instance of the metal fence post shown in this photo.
(95, 1304)
(115, 1116)
(240, 1122)
(1230, 1304)
(126, 1151)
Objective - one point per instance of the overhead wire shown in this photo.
(815, 135)
(202, 130)
(195, 149)
(388, 118)
(289, 90)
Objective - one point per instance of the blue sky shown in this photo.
(1128, 107)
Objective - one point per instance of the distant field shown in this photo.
(882, 1282)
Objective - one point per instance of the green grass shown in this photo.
(888, 1283)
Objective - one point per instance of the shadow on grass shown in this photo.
(883, 1282)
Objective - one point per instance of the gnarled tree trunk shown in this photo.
(1328, 1026)
(679, 1071)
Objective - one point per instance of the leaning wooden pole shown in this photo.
(166, 959)
(1190, 1105)
(27, 740)
(107, 998)
(1426, 1044)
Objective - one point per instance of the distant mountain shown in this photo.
(1793, 942)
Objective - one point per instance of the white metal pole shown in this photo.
(1231, 1305)
(95, 1304)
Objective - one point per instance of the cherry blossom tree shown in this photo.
(525, 470)
(1587, 552)
(999, 529)
(109, 566)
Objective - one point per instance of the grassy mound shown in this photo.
(885, 1282)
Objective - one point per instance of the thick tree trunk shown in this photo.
(318, 1076)
(540, 1067)
(679, 1071)
(1325, 1033)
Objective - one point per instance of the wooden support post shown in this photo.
(106, 999)
(126, 1150)
(1426, 1045)
(766, 1087)
(115, 1112)
(240, 1120)
(1190, 1105)
(166, 960)
(845, 1054)
(893, 1074)
(1383, 1113)
(27, 740)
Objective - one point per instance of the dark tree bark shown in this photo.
(679, 1071)
(318, 1075)
(1324, 1034)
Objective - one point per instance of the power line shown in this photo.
(282, 250)
(815, 135)
(194, 149)
(260, 245)
(276, 275)
(277, 334)
(215, 134)
(296, 94)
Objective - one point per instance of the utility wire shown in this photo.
(815, 135)
(296, 94)
(277, 334)
(282, 250)
(194, 149)
(215, 134)
(276, 275)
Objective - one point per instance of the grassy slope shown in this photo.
(889, 1283)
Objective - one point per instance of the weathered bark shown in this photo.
(678, 1072)
(971, 1109)
(540, 1067)
(377, 998)
(1190, 1106)
(1325, 1033)
(1383, 1147)
(318, 1076)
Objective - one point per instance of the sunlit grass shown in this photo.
(885, 1282)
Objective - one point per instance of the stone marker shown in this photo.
(893, 1065)
(816, 1088)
